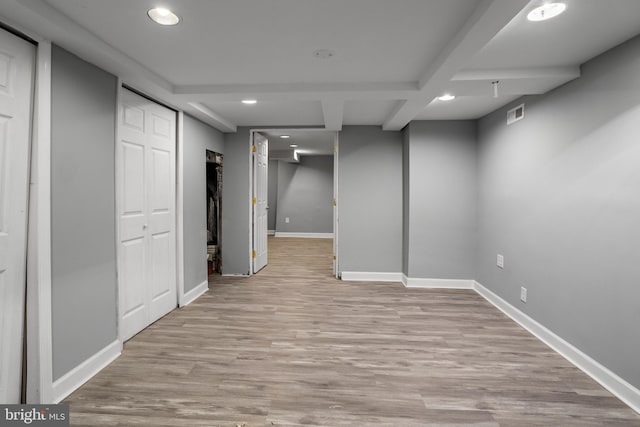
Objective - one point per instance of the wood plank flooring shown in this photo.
(292, 346)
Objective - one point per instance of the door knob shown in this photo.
(144, 226)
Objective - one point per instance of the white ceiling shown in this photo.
(392, 58)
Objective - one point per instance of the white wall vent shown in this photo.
(515, 114)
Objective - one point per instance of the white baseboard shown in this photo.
(271, 232)
(411, 282)
(194, 293)
(305, 235)
(363, 276)
(609, 380)
(82, 373)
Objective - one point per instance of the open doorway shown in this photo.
(302, 191)
(214, 212)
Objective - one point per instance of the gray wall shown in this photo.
(559, 199)
(83, 100)
(198, 138)
(440, 170)
(370, 199)
(273, 194)
(236, 203)
(305, 195)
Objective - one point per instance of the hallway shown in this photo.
(294, 346)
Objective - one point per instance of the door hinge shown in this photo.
(335, 203)
(253, 254)
(254, 148)
(254, 201)
(334, 258)
(335, 148)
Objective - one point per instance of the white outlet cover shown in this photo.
(523, 294)
(500, 261)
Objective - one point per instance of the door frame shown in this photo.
(336, 218)
(336, 247)
(252, 133)
(182, 301)
(39, 360)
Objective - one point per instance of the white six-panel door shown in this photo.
(260, 194)
(146, 185)
(16, 89)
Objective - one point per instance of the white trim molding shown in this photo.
(82, 373)
(38, 332)
(304, 235)
(180, 209)
(609, 380)
(271, 232)
(362, 276)
(412, 282)
(188, 297)
(116, 171)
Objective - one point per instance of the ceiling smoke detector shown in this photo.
(324, 54)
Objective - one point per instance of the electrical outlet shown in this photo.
(523, 294)
(286, 220)
(500, 261)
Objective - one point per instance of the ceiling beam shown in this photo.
(208, 115)
(333, 111)
(570, 71)
(484, 23)
(299, 91)
(322, 87)
(512, 81)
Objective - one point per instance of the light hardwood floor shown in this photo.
(293, 346)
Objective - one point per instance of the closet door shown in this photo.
(16, 91)
(146, 212)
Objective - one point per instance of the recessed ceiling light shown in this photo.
(546, 11)
(163, 16)
(446, 97)
(249, 101)
(293, 145)
(285, 136)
